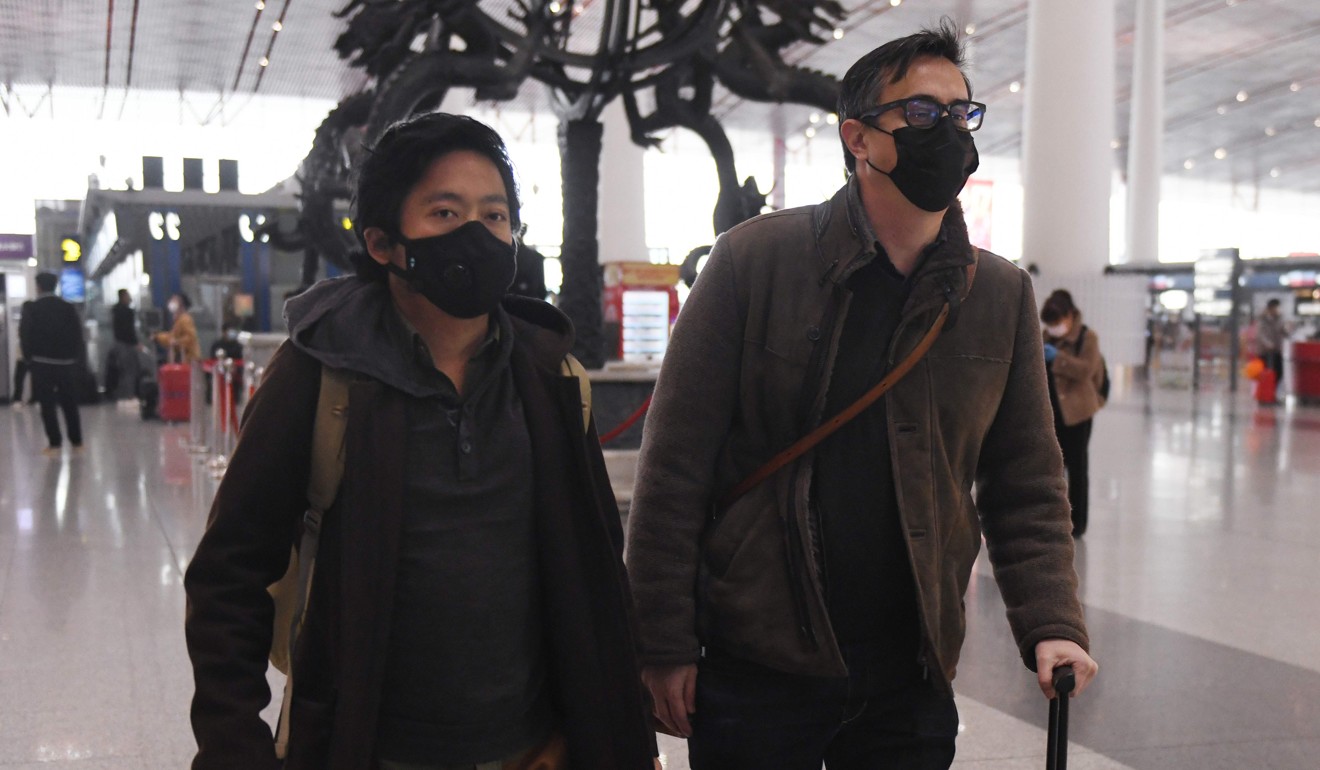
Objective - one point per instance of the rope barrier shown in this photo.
(628, 423)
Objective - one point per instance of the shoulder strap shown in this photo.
(571, 367)
(806, 443)
(327, 469)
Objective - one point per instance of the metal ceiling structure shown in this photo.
(1242, 77)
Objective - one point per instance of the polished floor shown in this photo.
(1200, 574)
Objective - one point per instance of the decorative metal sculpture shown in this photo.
(672, 51)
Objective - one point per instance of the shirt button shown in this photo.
(813, 333)
(466, 446)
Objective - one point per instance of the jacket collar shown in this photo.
(845, 242)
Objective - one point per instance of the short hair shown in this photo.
(187, 303)
(123, 294)
(399, 159)
(1272, 303)
(46, 282)
(1058, 305)
(888, 64)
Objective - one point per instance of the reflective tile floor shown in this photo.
(1200, 573)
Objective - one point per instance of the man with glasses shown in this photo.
(816, 616)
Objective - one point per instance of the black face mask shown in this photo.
(464, 272)
(933, 163)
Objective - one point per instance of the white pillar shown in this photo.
(778, 195)
(1067, 126)
(622, 191)
(1146, 135)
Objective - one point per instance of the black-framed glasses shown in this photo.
(921, 112)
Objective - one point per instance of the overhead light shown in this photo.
(895, 3)
(814, 118)
(1221, 153)
(831, 118)
(1189, 164)
(1222, 110)
(1114, 144)
(277, 26)
(970, 29)
(1242, 96)
(1014, 87)
(1274, 173)
(556, 7)
(838, 33)
(1231, 3)
(1294, 87)
(811, 131)
(1269, 131)
(261, 5)
(264, 62)
(1317, 122)
(32, 262)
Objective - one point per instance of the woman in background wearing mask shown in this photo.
(182, 335)
(1076, 370)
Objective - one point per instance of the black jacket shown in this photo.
(50, 331)
(338, 664)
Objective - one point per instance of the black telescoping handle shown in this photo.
(1057, 737)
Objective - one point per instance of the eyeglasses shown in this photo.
(920, 112)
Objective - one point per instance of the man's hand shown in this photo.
(674, 690)
(1052, 653)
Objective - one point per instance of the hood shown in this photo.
(349, 323)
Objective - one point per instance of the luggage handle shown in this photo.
(1057, 737)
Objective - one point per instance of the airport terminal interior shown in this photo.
(1155, 158)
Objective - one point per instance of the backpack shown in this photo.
(291, 591)
(1104, 369)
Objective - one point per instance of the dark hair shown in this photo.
(123, 293)
(187, 303)
(1272, 303)
(1058, 305)
(46, 282)
(397, 163)
(888, 64)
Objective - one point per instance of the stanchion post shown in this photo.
(220, 461)
(197, 443)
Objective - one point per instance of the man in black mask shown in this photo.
(469, 605)
(809, 611)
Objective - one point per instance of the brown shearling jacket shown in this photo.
(746, 374)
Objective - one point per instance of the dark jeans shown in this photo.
(1074, 440)
(21, 369)
(754, 718)
(57, 384)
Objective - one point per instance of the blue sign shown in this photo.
(73, 286)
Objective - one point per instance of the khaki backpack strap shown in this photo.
(327, 469)
(571, 367)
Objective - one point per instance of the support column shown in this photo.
(1146, 135)
(579, 152)
(1068, 167)
(623, 191)
(1068, 123)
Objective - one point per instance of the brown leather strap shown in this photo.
(806, 443)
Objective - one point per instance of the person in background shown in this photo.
(227, 344)
(123, 366)
(1076, 371)
(50, 338)
(182, 336)
(1271, 332)
(21, 374)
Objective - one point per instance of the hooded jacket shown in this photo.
(338, 665)
(746, 374)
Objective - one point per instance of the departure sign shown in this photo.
(1214, 276)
